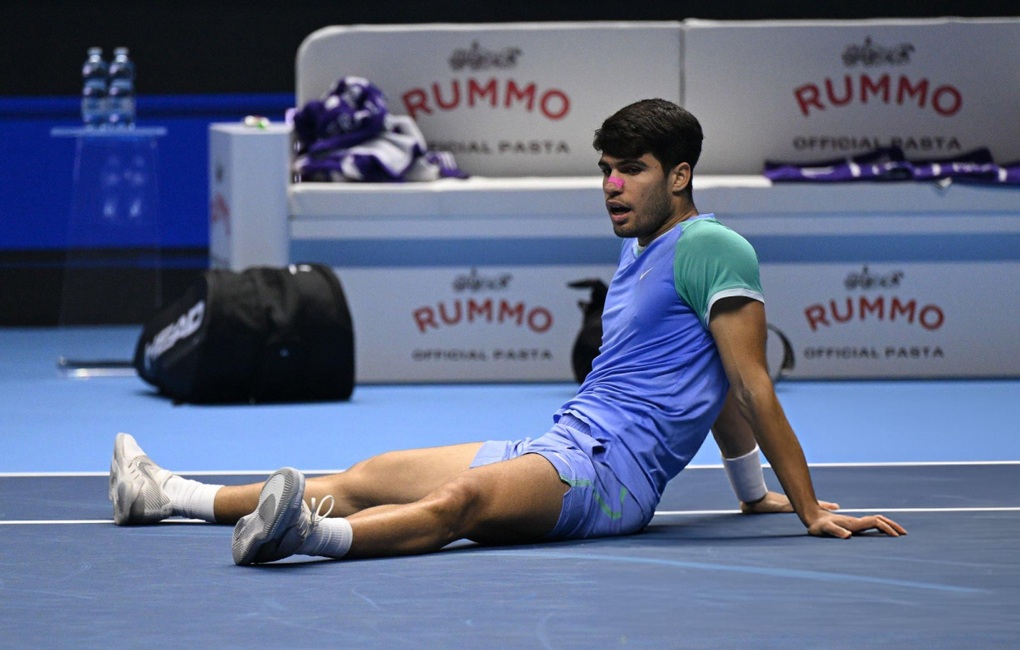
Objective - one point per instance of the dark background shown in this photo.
(234, 46)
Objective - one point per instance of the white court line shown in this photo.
(658, 513)
(26, 522)
(259, 472)
(78, 522)
(233, 472)
(922, 463)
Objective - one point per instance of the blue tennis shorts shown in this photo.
(596, 504)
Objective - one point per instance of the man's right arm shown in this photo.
(735, 438)
(738, 327)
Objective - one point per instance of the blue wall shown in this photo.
(36, 169)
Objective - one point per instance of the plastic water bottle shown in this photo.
(122, 89)
(94, 89)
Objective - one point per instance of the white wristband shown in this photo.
(746, 476)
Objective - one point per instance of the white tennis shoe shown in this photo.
(280, 524)
(136, 485)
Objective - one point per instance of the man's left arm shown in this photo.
(738, 326)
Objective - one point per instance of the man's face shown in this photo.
(638, 196)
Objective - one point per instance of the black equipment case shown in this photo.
(262, 335)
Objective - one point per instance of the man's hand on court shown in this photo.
(777, 502)
(830, 524)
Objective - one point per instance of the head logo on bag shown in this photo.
(182, 328)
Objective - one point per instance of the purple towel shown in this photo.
(881, 164)
(349, 135)
(351, 112)
(890, 164)
(974, 166)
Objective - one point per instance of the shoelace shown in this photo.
(317, 515)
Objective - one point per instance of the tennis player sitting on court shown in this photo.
(683, 352)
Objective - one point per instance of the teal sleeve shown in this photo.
(713, 262)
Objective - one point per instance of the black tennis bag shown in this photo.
(589, 339)
(263, 335)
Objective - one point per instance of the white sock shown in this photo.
(192, 499)
(329, 538)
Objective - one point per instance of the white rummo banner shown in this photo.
(813, 91)
(525, 99)
(466, 324)
(894, 319)
(881, 320)
(506, 100)
(468, 280)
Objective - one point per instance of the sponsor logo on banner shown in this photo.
(486, 79)
(219, 207)
(877, 305)
(220, 234)
(878, 74)
(219, 212)
(481, 309)
(476, 58)
(871, 55)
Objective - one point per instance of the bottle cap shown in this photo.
(256, 121)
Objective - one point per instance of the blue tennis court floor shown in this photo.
(938, 457)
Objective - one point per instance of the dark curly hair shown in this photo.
(667, 131)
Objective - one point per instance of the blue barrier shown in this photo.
(36, 169)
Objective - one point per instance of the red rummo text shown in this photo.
(930, 317)
(536, 319)
(945, 100)
(553, 103)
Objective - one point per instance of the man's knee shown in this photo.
(511, 502)
(367, 475)
(457, 504)
(358, 487)
(381, 464)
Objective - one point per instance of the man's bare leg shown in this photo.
(514, 501)
(508, 502)
(391, 478)
(144, 493)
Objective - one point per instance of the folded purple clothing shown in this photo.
(889, 164)
(349, 135)
(881, 164)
